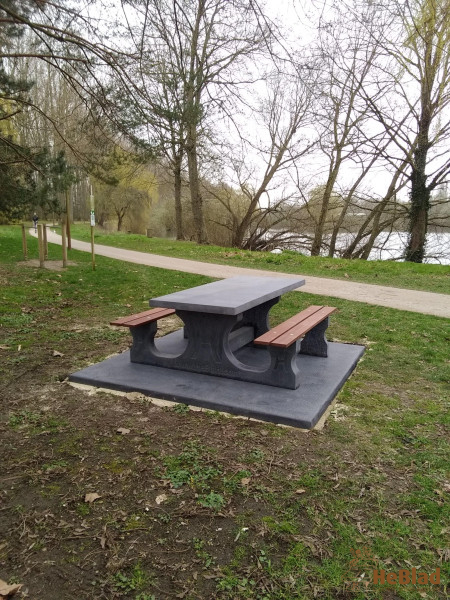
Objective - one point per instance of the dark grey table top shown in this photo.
(229, 296)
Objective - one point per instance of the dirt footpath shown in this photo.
(428, 303)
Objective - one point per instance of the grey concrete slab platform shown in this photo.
(303, 407)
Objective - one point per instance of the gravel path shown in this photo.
(428, 303)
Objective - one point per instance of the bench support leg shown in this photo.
(315, 342)
(283, 368)
(143, 343)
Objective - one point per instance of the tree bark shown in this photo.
(178, 206)
(420, 205)
(194, 185)
(318, 233)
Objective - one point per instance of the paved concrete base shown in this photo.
(303, 407)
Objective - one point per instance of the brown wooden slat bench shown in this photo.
(310, 324)
(143, 328)
(144, 317)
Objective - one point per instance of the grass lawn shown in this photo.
(197, 505)
(432, 278)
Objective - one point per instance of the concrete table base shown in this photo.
(303, 407)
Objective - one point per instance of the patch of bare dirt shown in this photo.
(51, 265)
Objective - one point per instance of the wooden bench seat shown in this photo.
(143, 327)
(310, 324)
(142, 318)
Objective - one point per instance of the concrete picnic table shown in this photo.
(226, 358)
(220, 318)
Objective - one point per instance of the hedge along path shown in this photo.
(427, 303)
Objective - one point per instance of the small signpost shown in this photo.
(92, 229)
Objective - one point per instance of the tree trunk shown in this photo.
(420, 192)
(242, 227)
(194, 185)
(367, 249)
(418, 216)
(178, 206)
(318, 233)
(336, 229)
(362, 232)
(193, 110)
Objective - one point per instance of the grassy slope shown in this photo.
(432, 278)
(375, 476)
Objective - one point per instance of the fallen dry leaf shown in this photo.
(92, 497)
(123, 430)
(300, 491)
(4, 347)
(8, 590)
(56, 353)
(161, 498)
(245, 480)
(103, 538)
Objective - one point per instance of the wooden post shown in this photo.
(92, 228)
(41, 246)
(92, 247)
(64, 243)
(24, 242)
(69, 237)
(44, 229)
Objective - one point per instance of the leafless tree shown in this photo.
(202, 47)
(278, 139)
(348, 138)
(417, 65)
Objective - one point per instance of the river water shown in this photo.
(391, 246)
